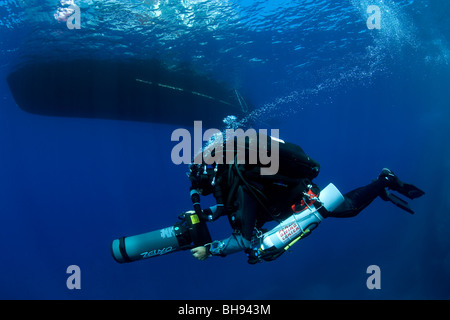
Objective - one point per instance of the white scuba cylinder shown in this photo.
(301, 223)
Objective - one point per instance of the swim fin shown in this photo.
(402, 204)
(410, 191)
(395, 184)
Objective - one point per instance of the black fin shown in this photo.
(394, 183)
(410, 191)
(402, 204)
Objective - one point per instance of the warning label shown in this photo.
(289, 232)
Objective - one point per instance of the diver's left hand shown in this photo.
(200, 253)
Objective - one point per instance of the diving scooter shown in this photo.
(186, 234)
(192, 232)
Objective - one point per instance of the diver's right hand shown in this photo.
(200, 253)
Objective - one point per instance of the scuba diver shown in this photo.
(250, 200)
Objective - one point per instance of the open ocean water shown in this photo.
(356, 100)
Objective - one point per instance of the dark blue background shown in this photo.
(68, 187)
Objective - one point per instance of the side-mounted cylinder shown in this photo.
(273, 243)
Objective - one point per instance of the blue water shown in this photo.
(355, 99)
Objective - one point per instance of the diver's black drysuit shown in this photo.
(357, 200)
(252, 200)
